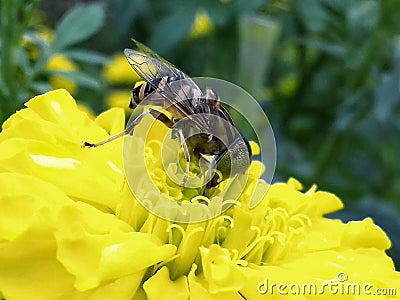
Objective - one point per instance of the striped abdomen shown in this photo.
(141, 91)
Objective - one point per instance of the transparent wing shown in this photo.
(139, 47)
(149, 68)
(178, 92)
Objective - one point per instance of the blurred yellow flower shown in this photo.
(202, 24)
(45, 33)
(60, 62)
(119, 98)
(29, 43)
(118, 71)
(288, 85)
(86, 109)
(70, 227)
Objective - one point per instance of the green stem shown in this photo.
(15, 18)
(326, 152)
(8, 20)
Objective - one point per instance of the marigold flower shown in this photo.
(70, 227)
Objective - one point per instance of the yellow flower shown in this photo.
(202, 24)
(119, 98)
(29, 40)
(86, 109)
(119, 71)
(46, 33)
(60, 62)
(70, 227)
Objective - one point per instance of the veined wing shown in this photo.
(177, 93)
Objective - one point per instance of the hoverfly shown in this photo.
(173, 91)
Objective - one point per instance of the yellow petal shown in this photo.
(255, 149)
(60, 108)
(56, 106)
(46, 139)
(77, 167)
(353, 267)
(28, 219)
(221, 273)
(103, 257)
(122, 288)
(21, 199)
(238, 237)
(323, 235)
(112, 120)
(160, 286)
(29, 268)
(198, 288)
(70, 246)
(365, 234)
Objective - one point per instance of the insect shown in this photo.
(167, 87)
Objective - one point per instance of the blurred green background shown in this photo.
(327, 73)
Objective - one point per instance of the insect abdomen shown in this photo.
(141, 91)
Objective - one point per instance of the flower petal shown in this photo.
(46, 140)
(104, 257)
(28, 220)
(198, 288)
(220, 271)
(65, 245)
(159, 286)
(112, 120)
(314, 270)
(365, 234)
(83, 176)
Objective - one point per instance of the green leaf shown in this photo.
(123, 13)
(244, 7)
(86, 56)
(311, 14)
(41, 87)
(170, 30)
(22, 59)
(79, 24)
(362, 18)
(3, 87)
(335, 50)
(79, 78)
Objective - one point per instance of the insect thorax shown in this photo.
(143, 90)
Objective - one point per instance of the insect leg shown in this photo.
(156, 114)
(114, 137)
(187, 156)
